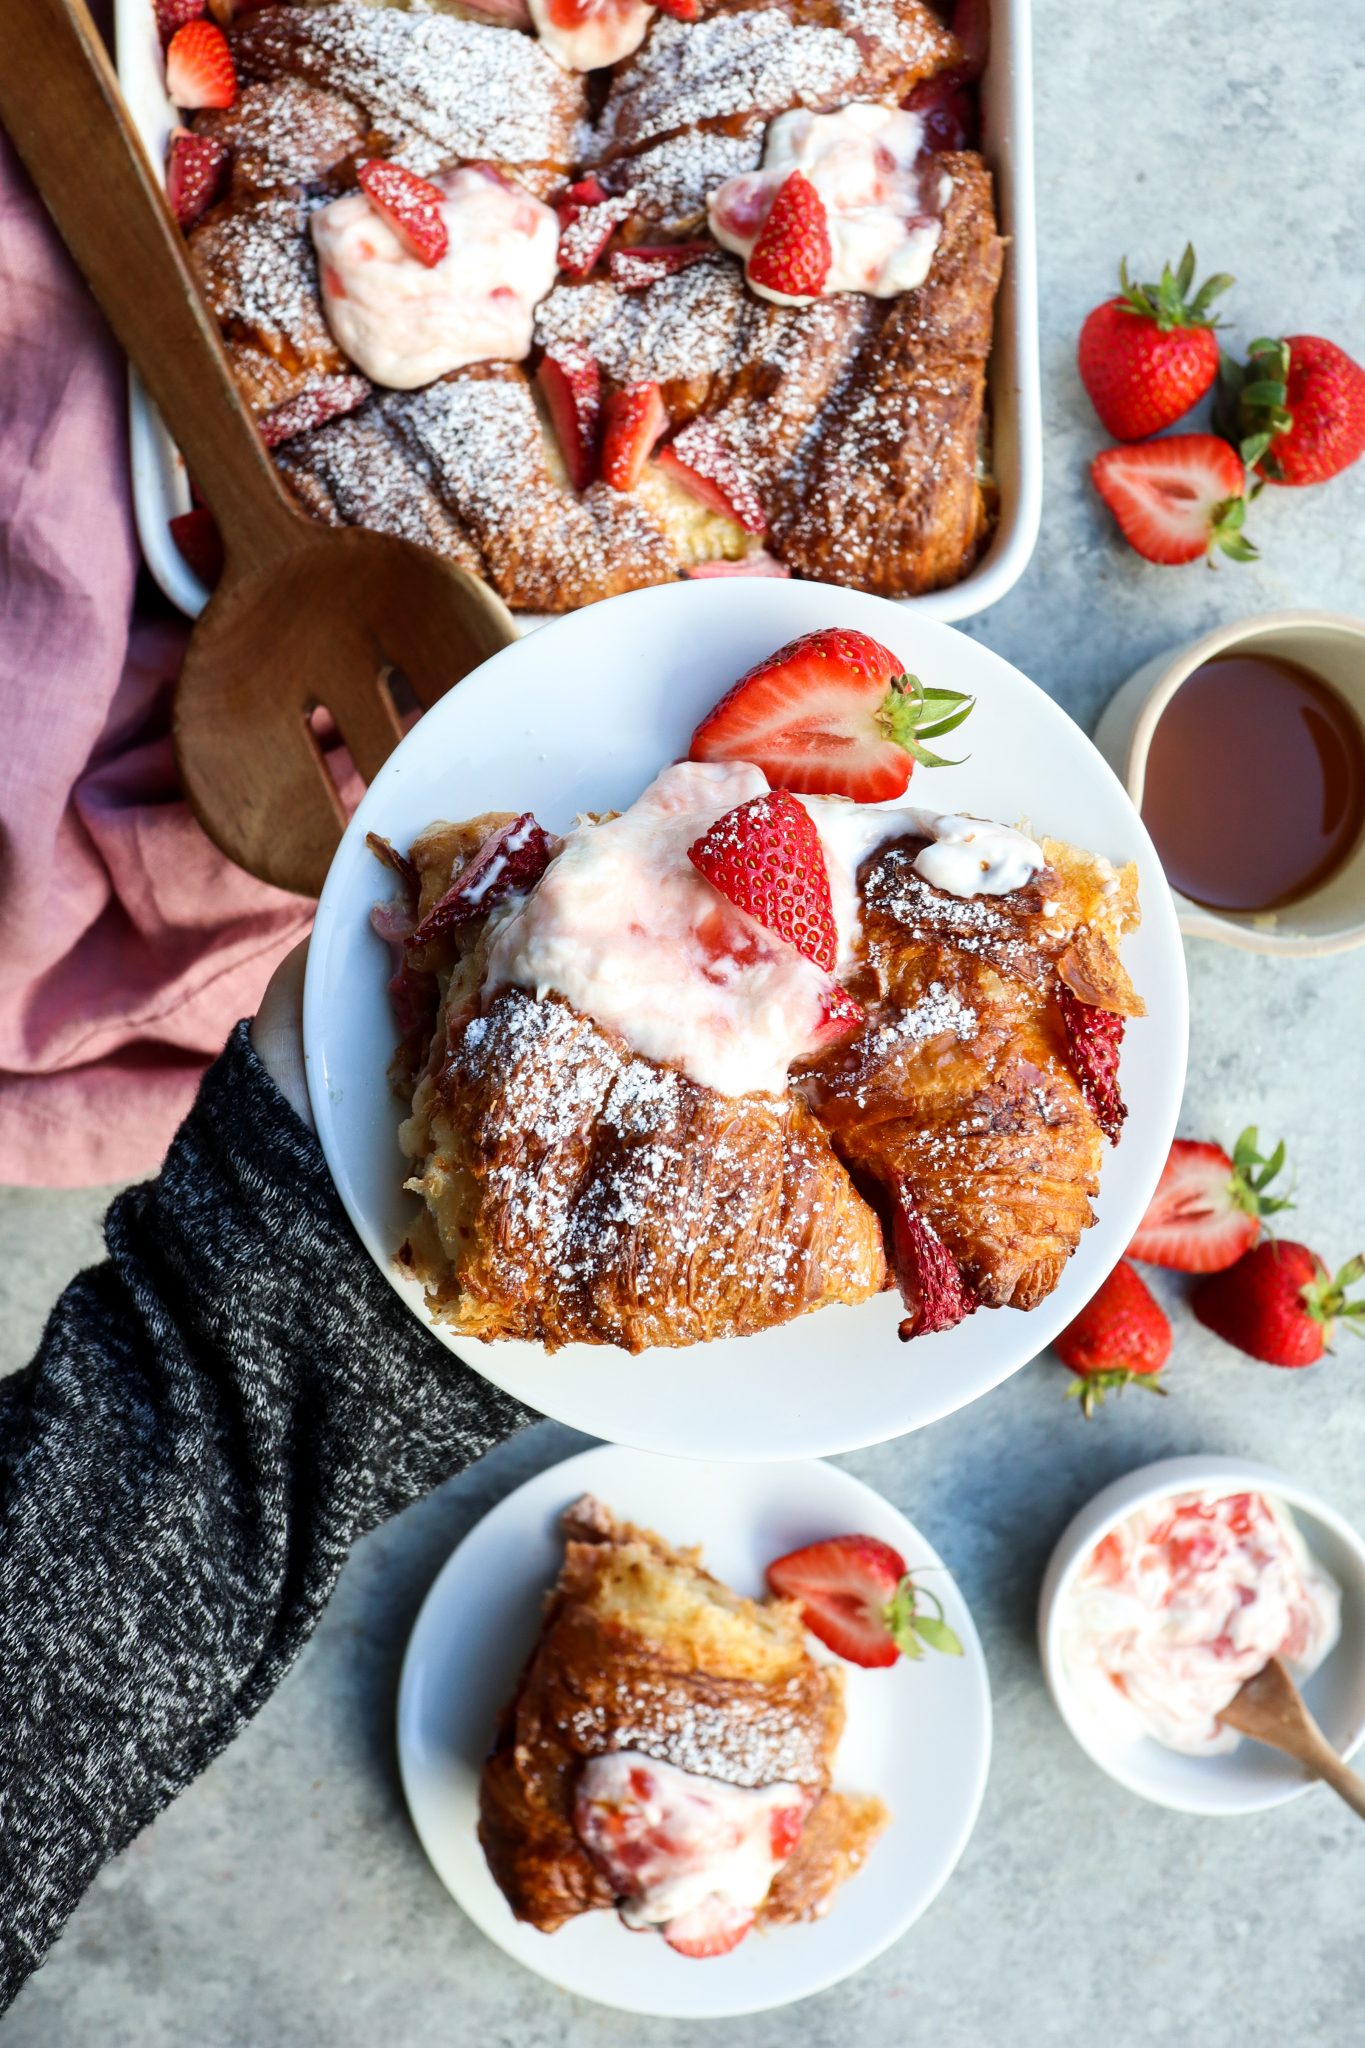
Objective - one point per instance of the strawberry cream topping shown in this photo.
(405, 323)
(1185, 1601)
(883, 193)
(584, 35)
(688, 1854)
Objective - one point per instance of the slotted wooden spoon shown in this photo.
(305, 616)
(1270, 1708)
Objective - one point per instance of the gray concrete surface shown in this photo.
(284, 1901)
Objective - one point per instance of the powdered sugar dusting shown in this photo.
(730, 64)
(685, 325)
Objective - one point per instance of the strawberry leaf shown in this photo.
(910, 1630)
(938, 1635)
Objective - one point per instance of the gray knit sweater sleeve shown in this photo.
(213, 1417)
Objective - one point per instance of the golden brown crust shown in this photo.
(682, 1670)
(960, 1096)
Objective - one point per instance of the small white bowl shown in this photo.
(1253, 1777)
(1331, 645)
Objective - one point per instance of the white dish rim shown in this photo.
(1127, 1763)
(161, 483)
(592, 1471)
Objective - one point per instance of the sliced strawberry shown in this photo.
(196, 172)
(712, 1928)
(700, 462)
(587, 225)
(173, 14)
(791, 258)
(1207, 1208)
(857, 1597)
(1094, 1040)
(331, 398)
(632, 422)
(841, 1016)
(512, 860)
(572, 386)
(681, 10)
(1176, 498)
(759, 563)
(589, 191)
(766, 857)
(410, 205)
(199, 67)
(947, 105)
(634, 270)
(831, 714)
(199, 543)
(931, 1284)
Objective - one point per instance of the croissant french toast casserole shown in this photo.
(591, 294)
(668, 1750)
(746, 1049)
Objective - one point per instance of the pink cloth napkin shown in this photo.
(128, 945)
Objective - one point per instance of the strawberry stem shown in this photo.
(1325, 1298)
(1168, 301)
(1091, 1390)
(910, 1630)
(909, 714)
(1252, 1175)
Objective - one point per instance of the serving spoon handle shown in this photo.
(60, 102)
(1270, 1708)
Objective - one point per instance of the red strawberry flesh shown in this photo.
(173, 14)
(572, 386)
(1207, 1208)
(410, 205)
(636, 269)
(632, 422)
(196, 173)
(587, 225)
(844, 1586)
(199, 67)
(1176, 498)
(765, 857)
(760, 563)
(199, 543)
(512, 860)
(1094, 1040)
(700, 462)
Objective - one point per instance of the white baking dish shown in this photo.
(161, 488)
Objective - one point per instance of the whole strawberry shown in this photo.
(1120, 1338)
(1297, 409)
(1146, 357)
(1279, 1303)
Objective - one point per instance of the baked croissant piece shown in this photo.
(853, 424)
(646, 1668)
(576, 1190)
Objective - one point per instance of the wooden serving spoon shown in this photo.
(1270, 1708)
(305, 616)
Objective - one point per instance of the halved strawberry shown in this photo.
(791, 258)
(410, 205)
(199, 543)
(831, 714)
(632, 421)
(759, 563)
(1207, 1208)
(173, 14)
(634, 270)
(196, 172)
(511, 860)
(1176, 498)
(199, 67)
(331, 398)
(1094, 1040)
(766, 857)
(712, 1928)
(586, 225)
(572, 386)
(930, 1281)
(700, 462)
(857, 1597)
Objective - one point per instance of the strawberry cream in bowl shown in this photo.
(1171, 1589)
(419, 278)
(846, 202)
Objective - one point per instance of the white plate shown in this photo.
(580, 717)
(918, 1735)
(161, 486)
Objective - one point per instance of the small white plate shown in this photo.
(580, 717)
(918, 1735)
(1251, 1777)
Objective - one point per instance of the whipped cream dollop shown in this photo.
(675, 1845)
(884, 196)
(624, 927)
(1185, 1601)
(403, 323)
(583, 35)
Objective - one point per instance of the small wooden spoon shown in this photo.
(1270, 1709)
(305, 616)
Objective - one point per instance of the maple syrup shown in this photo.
(1255, 786)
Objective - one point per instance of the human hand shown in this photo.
(277, 1031)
